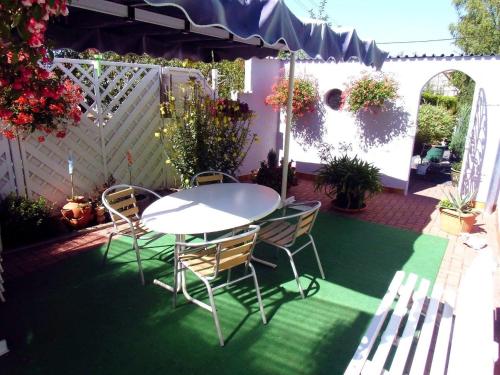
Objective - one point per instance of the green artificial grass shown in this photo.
(78, 317)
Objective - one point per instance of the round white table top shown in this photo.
(210, 208)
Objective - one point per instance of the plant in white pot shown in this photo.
(457, 213)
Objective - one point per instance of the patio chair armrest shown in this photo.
(146, 190)
(291, 216)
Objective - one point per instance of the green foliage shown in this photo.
(270, 173)
(457, 166)
(477, 30)
(463, 204)
(320, 13)
(459, 136)
(231, 73)
(448, 102)
(434, 124)
(348, 179)
(205, 134)
(23, 220)
(465, 86)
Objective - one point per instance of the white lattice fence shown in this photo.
(7, 176)
(120, 114)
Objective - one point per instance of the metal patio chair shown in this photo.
(120, 201)
(283, 232)
(210, 177)
(208, 259)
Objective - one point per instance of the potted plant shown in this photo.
(456, 168)
(305, 96)
(370, 92)
(457, 214)
(270, 173)
(349, 181)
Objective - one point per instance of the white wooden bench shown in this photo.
(412, 333)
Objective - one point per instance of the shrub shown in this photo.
(270, 173)
(434, 124)
(23, 220)
(347, 179)
(204, 133)
(448, 102)
(459, 136)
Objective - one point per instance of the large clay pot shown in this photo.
(78, 215)
(453, 223)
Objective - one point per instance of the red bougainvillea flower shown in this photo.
(33, 99)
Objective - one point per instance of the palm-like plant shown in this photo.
(463, 204)
(349, 180)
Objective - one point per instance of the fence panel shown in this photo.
(120, 114)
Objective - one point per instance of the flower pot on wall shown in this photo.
(454, 223)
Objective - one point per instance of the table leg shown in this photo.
(177, 283)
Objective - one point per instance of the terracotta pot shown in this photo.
(453, 223)
(78, 215)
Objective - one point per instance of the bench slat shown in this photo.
(424, 341)
(443, 339)
(376, 366)
(363, 350)
(406, 340)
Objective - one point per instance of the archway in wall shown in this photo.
(442, 129)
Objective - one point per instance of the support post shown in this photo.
(288, 127)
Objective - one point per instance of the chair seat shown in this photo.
(123, 228)
(278, 232)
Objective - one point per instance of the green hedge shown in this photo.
(448, 102)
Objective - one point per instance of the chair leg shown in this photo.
(214, 312)
(292, 263)
(228, 275)
(317, 257)
(139, 263)
(257, 290)
(110, 237)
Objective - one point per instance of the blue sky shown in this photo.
(392, 21)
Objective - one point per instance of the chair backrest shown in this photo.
(306, 219)
(121, 202)
(210, 177)
(231, 251)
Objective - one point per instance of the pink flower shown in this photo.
(27, 3)
(36, 40)
(41, 139)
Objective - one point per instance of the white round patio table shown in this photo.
(207, 209)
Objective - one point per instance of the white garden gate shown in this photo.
(120, 114)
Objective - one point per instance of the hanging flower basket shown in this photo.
(31, 97)
(305, 96)
(369, 93)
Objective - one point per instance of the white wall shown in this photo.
(386, 139)
(259, 76)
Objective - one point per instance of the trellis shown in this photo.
(120, 114)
